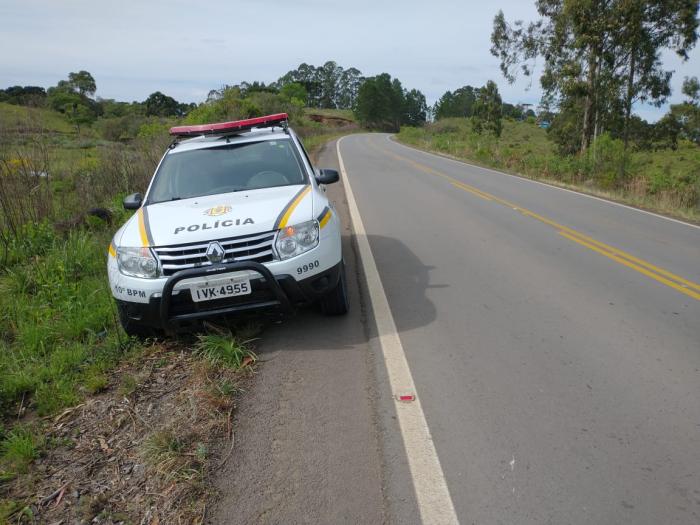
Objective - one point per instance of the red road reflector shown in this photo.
(228, 127)
(406, 398)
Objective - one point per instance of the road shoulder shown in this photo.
(307, 445)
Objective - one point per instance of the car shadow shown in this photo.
(405, 279)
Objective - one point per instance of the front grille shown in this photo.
(257, 247)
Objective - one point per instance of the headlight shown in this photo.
(295, 240)
(137, 262)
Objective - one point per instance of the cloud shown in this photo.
(133, 48)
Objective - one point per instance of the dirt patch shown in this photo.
(331, 121)
(141, 451)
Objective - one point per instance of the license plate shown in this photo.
(220, 290)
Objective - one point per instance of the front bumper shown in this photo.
(273, 295)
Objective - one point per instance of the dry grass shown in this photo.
(135, 458)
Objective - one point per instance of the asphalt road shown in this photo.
(554, 343)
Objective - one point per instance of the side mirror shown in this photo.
(327, 176)
(133, 201)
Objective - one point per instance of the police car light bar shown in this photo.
(228, 127)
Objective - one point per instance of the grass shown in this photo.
(59, 336)
(18, 449)
(13, 116)
(169, 454)
(56, 316)
(128, 385)
(314, 143)
(665, 180)
(224, 350)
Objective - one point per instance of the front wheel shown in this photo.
(335, 302)
(132, 327)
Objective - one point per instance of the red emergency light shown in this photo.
(228, 127)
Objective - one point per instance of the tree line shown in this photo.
(483, 106)
(74, 98)
(378, 102)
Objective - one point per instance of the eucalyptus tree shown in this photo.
(488, 110)
(596, 51)
(457, 103)
(643, 30)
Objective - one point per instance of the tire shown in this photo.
(335, 302)
(134, 328)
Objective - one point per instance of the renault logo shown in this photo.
(215, 253)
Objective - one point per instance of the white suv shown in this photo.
(235, 221)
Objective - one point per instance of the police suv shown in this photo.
(235, 221)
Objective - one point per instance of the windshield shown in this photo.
(223, 169)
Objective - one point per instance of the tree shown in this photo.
(380, 103)
(685, 117)
(512, 111)
(329, 77)
(83, 83)
(61, 99)
(596, 51)
(80, 114)
(295, 91)
(457, 104)
(72, 97)
(327, 86)
(305, 75)
(415, 108)
(248, 88)
(488, 110)
(647, 27)
(24, 95)
(348, 87)
(691, 89)
(160, 105)
(571, 36)
(667, 131)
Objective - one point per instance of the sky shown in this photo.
(185, 49)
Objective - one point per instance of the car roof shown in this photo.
(208, 141)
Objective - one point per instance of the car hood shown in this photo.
(218, 216)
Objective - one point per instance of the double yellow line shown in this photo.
(661, 275)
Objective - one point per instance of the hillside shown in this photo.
(21, 118)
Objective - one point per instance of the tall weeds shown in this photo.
(666, 180)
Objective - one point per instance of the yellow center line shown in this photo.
(661, 275)
(640, 269)
(471, 190)
(636, 260)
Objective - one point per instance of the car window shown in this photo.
(223, 169)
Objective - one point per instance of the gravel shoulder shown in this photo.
(307, 446)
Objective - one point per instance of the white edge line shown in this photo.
(525, 179)
(433, 496)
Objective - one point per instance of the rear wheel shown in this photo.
(335, 302)
(132, 327)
